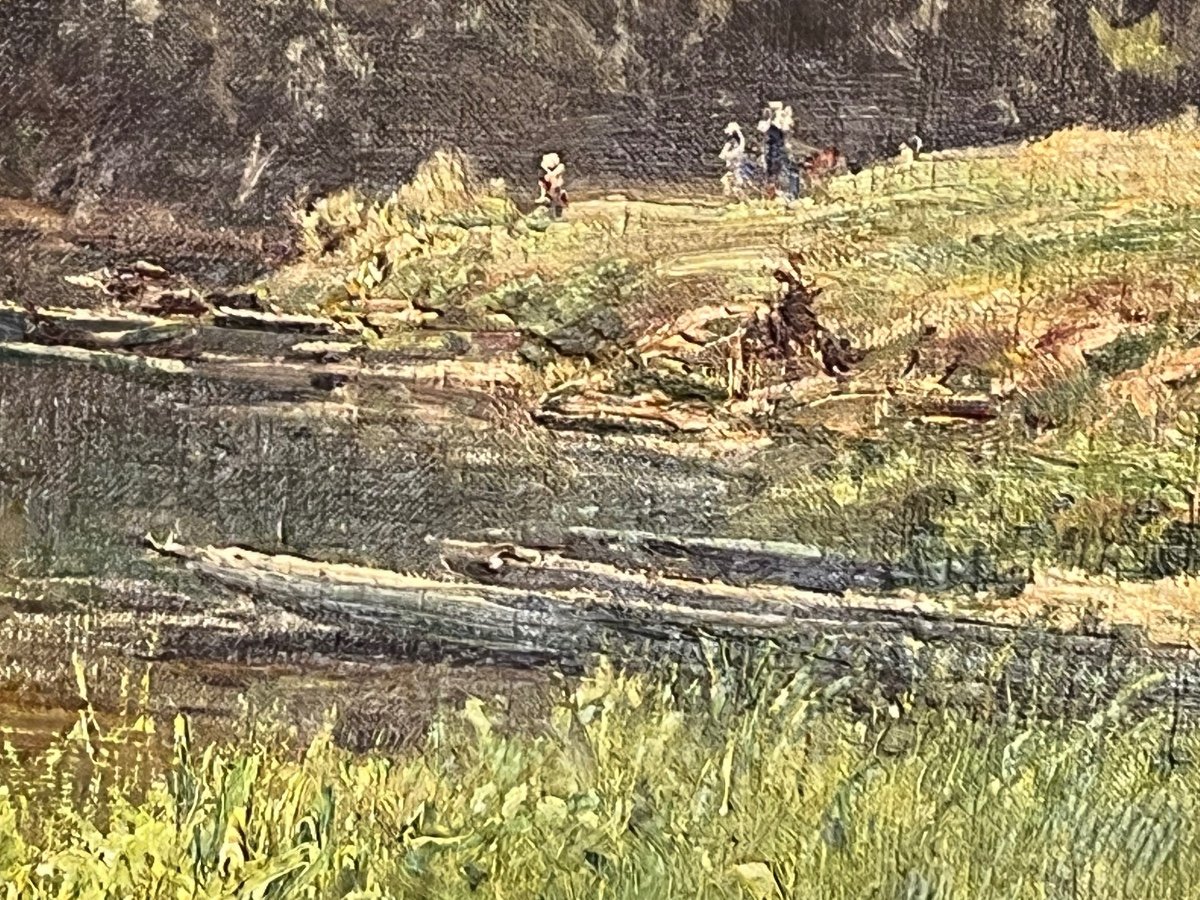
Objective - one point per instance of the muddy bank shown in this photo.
(39, 244)
(227, 664)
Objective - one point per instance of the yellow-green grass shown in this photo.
(951, 237)
(636, 787)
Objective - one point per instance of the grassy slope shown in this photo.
(631, 793)
(1060, 274)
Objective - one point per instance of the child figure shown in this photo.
(552, 185)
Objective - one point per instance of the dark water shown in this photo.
(92, 461)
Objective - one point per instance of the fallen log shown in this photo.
(324, 351)
(735, 561)
(891, 646)
(102, 359)
(185, 302)
(55, 334)
(652, 412)
(567, 627)
(739, 561)
(248, 319)
(85, 328)
(892, 402)
(524, 568)
(428, 344)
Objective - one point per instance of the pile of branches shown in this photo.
(791, 336)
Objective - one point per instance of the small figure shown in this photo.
(909, 152)
(821, 165)
(552, 185)
(738, 167)
(793, 324)
(791, 172)
(776, 124)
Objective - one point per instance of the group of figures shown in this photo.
(773, 170)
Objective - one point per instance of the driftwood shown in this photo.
(175, 303)
(325, 351)
(226, 317)
(551, 609)
(53, 333)
(530, 607)
(86, 329)
(652, 412)
(100, 359)
(734, 561)
(526, 624)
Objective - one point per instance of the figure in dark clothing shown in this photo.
(775, 155)
(793, 324)
(778, 167)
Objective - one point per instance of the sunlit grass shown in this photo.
(636, 787)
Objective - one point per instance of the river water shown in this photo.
(92, 460)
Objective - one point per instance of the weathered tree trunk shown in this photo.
(734, 561)
(537, 608)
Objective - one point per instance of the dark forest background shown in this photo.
(163, 99)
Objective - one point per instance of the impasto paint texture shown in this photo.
(614, 449)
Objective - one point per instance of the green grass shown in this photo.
(1100, 503)
(637, 787)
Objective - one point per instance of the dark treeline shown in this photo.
(163, 99)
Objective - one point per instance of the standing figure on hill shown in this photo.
(791, 172)
(552, 185)
(792, 323)
(738, 167)
(909, 152)
(775, 125)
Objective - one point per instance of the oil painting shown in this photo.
(626, 449)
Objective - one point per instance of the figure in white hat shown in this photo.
(552, 185)
(738, 167)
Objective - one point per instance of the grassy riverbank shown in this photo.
(1052, 285)
(633, 788)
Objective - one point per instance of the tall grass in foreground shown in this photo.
(637, 787)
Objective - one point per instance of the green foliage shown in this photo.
(579, 315)
(430, 215)
(745, 783)
(1098, 502)
(1140, 48)
(1129, 351)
